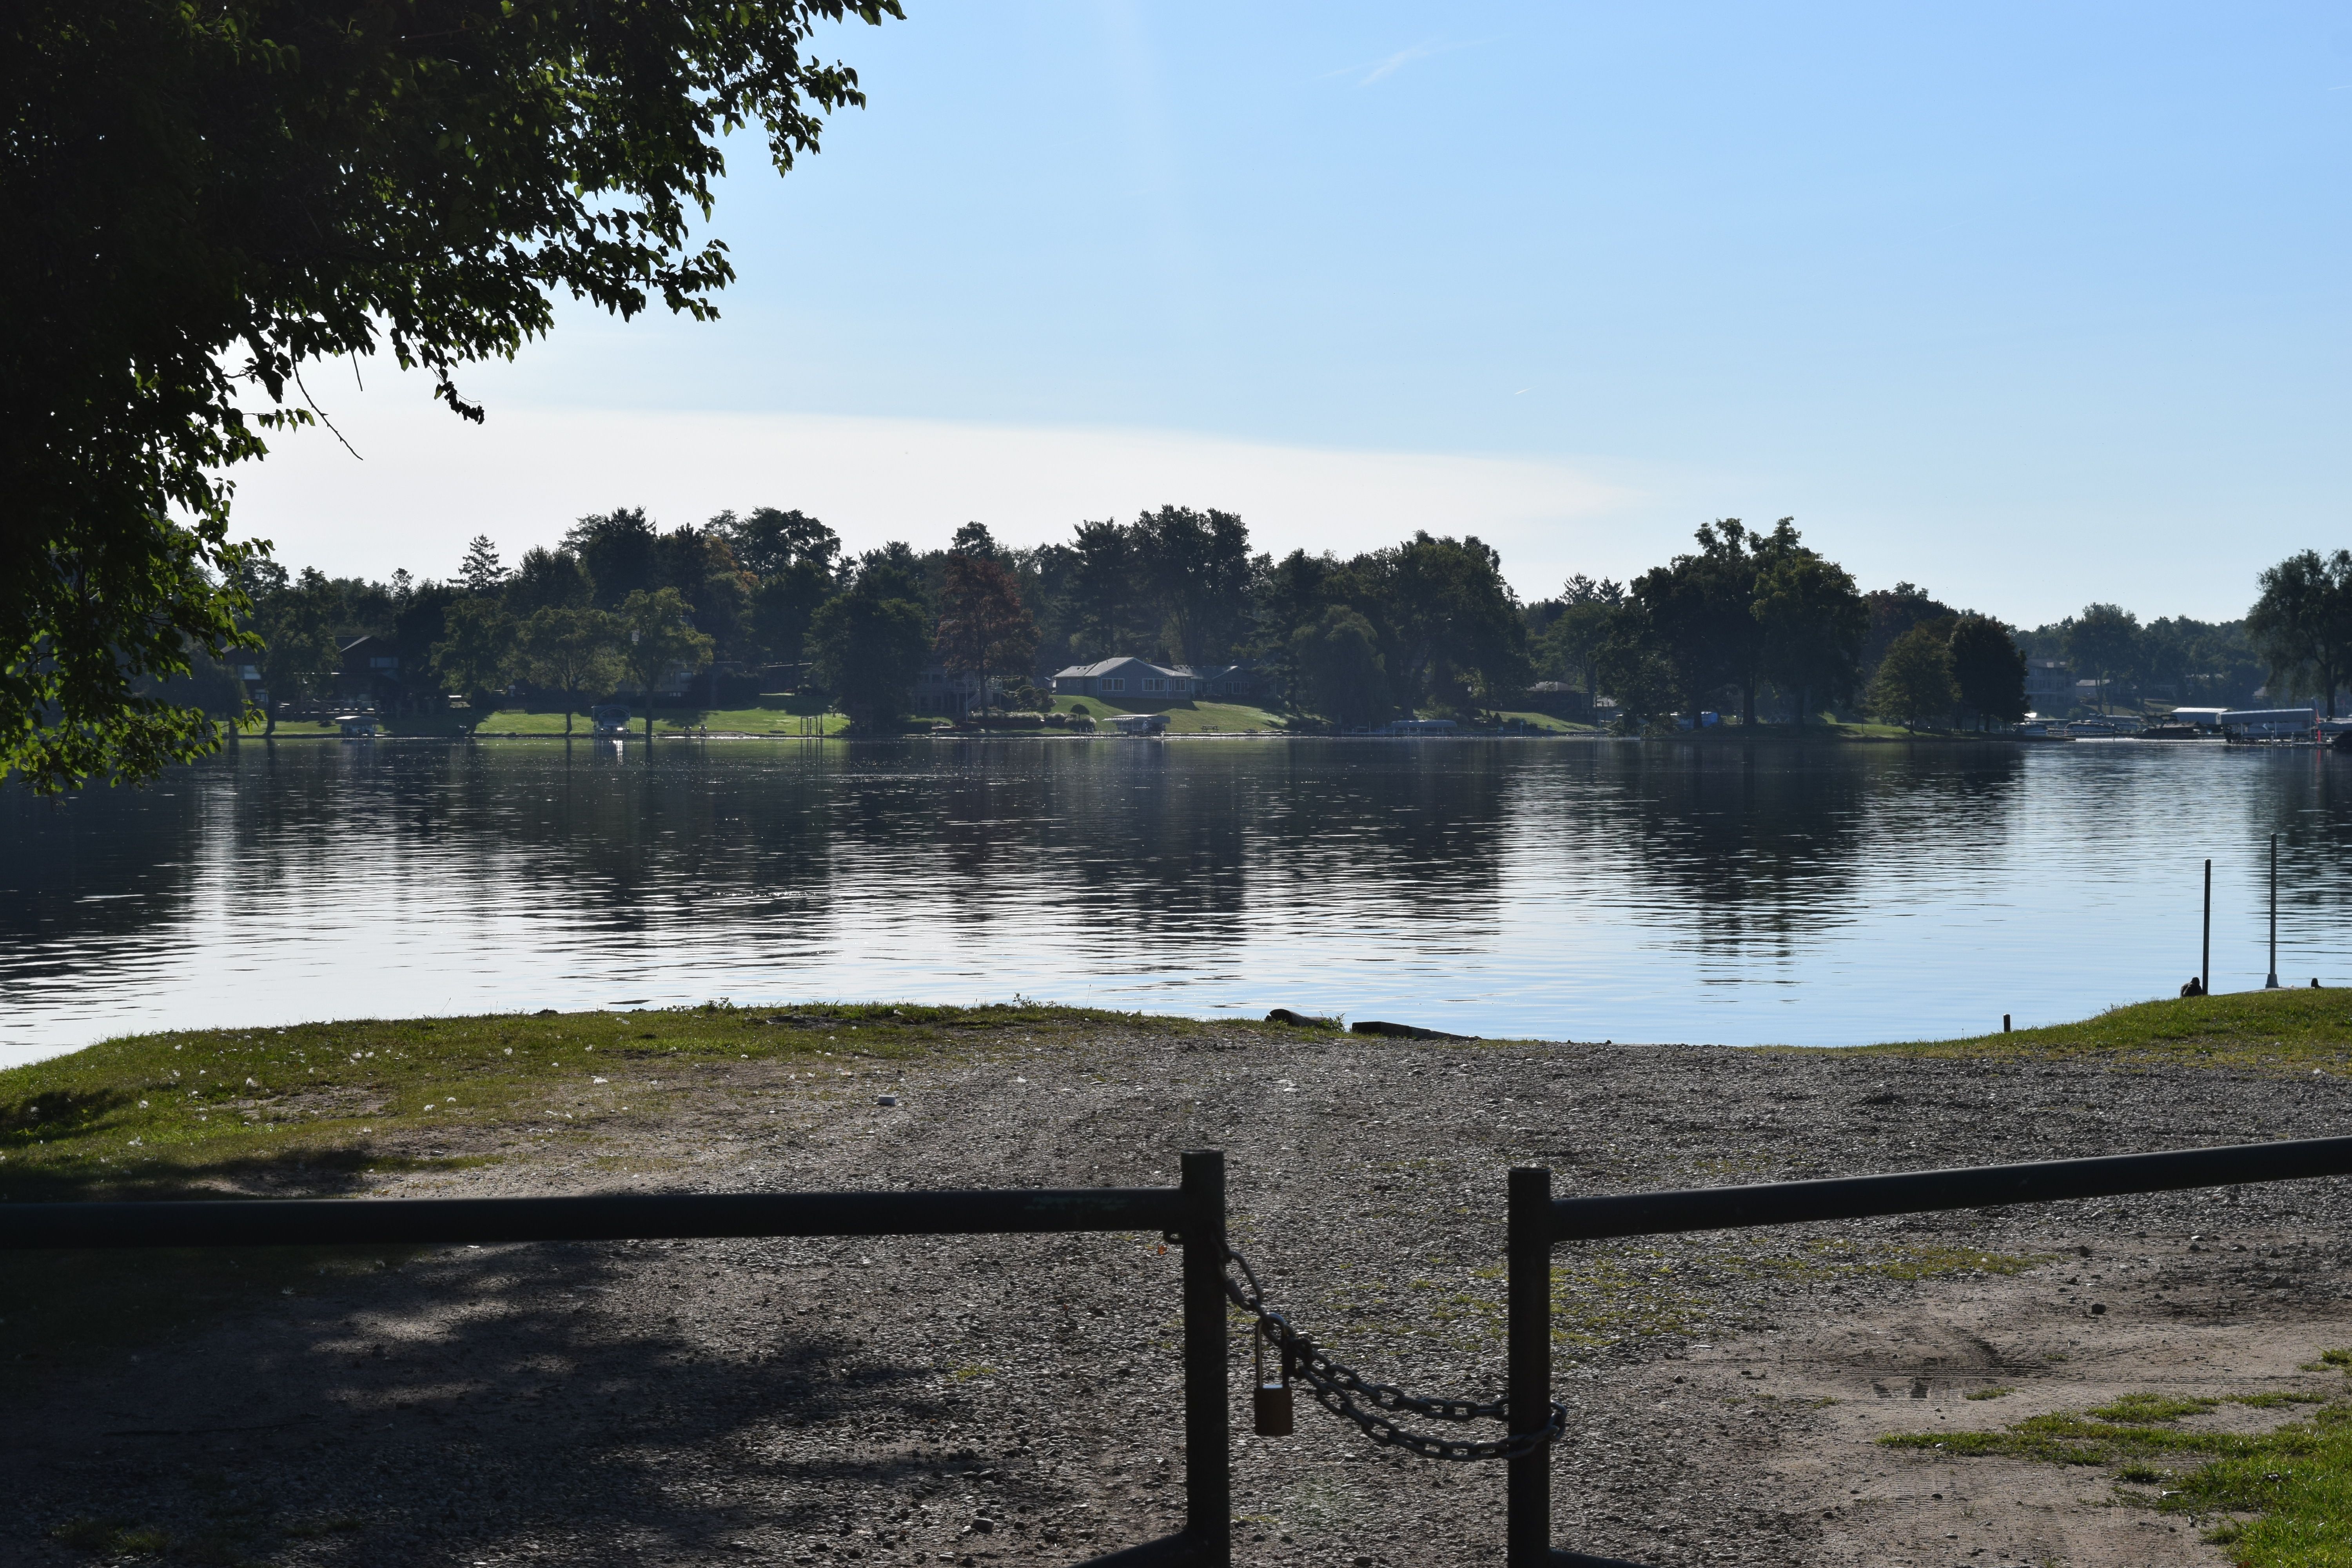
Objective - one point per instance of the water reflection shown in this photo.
(1815, 894)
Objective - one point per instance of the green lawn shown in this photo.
(1547, 724)
(766, 719)
(772, 716)
(1183, 718)
(2294, 1028)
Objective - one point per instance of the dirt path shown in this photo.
(909, 1401)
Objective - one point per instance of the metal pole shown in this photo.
(2205, 959)
(1527, 1529)
(2271, 984)
(1208, 1472)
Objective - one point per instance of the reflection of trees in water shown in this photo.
(2308, 804)
(1422, 822)
(1163, 836)
(1768, 843)
(770, 847)
(108, 863)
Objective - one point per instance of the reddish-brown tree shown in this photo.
(984, 628)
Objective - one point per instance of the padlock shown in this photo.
(1270, 1397)
(1273, 1402)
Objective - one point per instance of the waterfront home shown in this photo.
(938, 689)
(1122, 680)
(368, 672)
(2049, 685)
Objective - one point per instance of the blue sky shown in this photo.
(2029, 305)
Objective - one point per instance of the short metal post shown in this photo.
(1527, 1379)
(2271, 984)
(1208, 1465)
(2205, 958)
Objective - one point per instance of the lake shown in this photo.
(1813, 895)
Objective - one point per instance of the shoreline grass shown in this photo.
(208, 1106)
(2298, 1028)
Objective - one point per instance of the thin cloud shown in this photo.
(1376, 71)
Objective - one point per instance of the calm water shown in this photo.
(1817, 896)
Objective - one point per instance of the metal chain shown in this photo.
(1339, 1388)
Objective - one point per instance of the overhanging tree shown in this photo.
(202, 200)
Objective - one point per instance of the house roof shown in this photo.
(1178, 671)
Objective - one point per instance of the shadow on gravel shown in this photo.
(609, 1403)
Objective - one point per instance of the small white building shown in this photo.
(1125, 680)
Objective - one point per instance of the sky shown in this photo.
(2029, 305)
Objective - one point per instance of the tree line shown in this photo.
(1751, 622)
(771, 593)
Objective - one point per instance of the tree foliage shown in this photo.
(1915, 679)
(472, 659)
(1340, 671)
(870, 642)
(1988, 670)
(659, 640)
(201, 200)
(2302, 623)
(1197, 566)
(2104, 641)
(1814, 622)
(570, 648)
(293, 624)
(984, 628)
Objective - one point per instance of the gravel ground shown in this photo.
(983, 1399)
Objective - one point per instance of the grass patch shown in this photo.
(320, 1106)
(327, 1109)
(2295, 1029)
(1994, 1391)
(2281, 1499)
(1184, 717)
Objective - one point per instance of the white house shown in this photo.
(1123, 680)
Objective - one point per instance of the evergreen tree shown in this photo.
(480, 572)
(1196, 567)
(1571, 644)
(1107, 581)
(618, 549)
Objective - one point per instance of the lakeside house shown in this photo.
(2049, 685)
(952, 694)
(1137, 680)
(368, 672)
